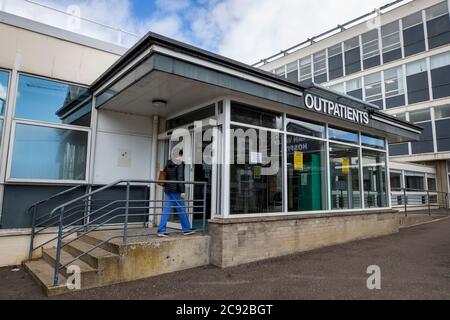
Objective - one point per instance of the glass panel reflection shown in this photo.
(306, 164)
(4, 79)
(374, 172)
(48, 153)
(254, 188)
(341, 135)
(344, 171)
(46, 100)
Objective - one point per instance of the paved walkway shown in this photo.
(415, 264)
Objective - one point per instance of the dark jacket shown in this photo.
(174, 172)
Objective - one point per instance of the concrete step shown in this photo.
(43, 273)
(89, 275)
(97, 258)
(94, 238)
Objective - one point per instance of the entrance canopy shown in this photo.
(158, 68)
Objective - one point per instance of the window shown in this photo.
(371, 49)
(43, 100)
(320, 67)
(413, 34)
(425, 143)
(341, 135)
(417, 81)
(306, 128)
(292, 71)
(255, 116)
(398, 149)
(306, 177)
(393, 87)
(438, 25)
(374, 142)
(335, 63)
(354, 88)
(414, 181)
(49, 153)
(440, 74)
(442, 123)
(352, 56)
(305, 70)
(390, 38)
(400, 116)
(344, 171)
(372, 85)
(396, 180)
(4, 80)
(374, 173)
(252, 190)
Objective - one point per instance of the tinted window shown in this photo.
(354, 88)
(399, 149)
(305, 69)
(390, 38)
(443, 134)
(352, 56)
(393, 86)
(425, 143)
(306, 128)
(374, 142)
(440, 75)
(438, 25)
(320, 67)
(372, 84)
(413, 34)
(335, 64)
(292, 71)
(371, 49)
(417, 82)
(341, 135)
(42, 100)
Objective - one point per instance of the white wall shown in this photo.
(123, 147)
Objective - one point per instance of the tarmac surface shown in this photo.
(414, 264)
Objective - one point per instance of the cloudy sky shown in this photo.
(246, 30)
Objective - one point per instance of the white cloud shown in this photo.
(246, 30)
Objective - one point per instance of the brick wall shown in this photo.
(238, 241)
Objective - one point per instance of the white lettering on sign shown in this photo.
(336, 109)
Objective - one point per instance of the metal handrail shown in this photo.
(408, 194)
(122, 210)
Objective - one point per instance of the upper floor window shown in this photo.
(417, 81)
(371, 49)
(292, 71)
(338, 87)
(49, 101)
(354, 88)
(425, 143)
(372, 84)
(390, 39)
(320, 67)
(305, 69)
(246, 114)
(393, 86)
(281, 71)
(352, 56)
(438, 25)
(442, 124)
(413, 34)
(440, 75)
(335, 62)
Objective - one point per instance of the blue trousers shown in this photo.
(174, 200)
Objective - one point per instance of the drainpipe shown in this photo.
(153, 164)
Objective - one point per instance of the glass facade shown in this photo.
(4, 81)
(326, 168)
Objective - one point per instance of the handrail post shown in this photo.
(58, 248)
(429, 205)
(405, 202)
(33, 229)
(204, 208)
(127, 205)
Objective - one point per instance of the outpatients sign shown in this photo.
(336, 109)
